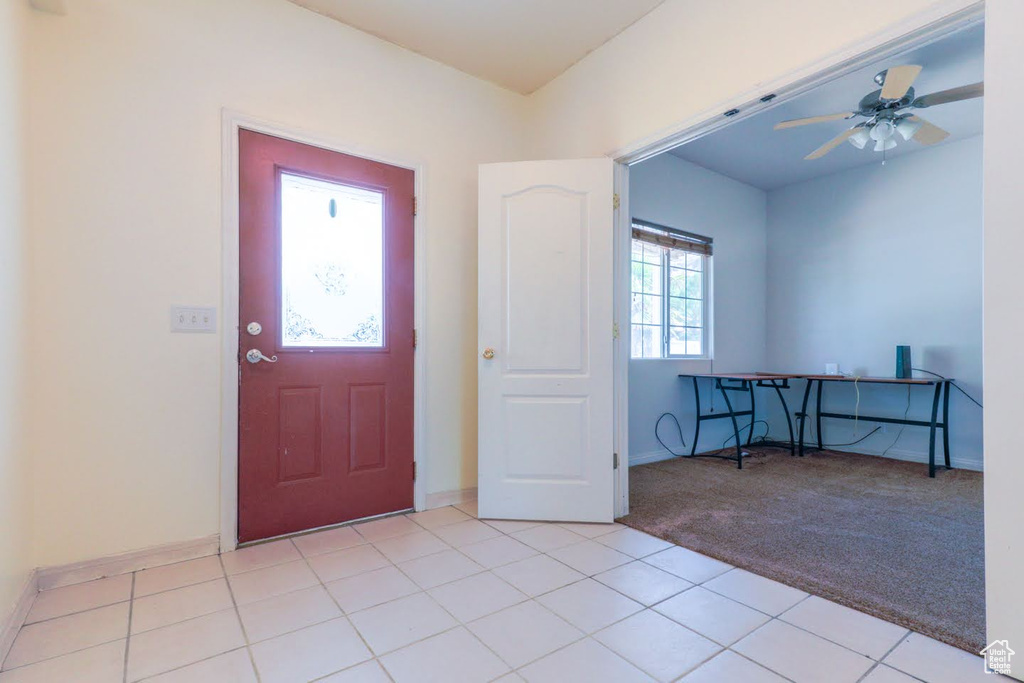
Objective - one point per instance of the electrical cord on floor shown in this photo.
(678, 429)
(767, 428)
(955, 385)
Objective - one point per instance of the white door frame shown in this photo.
(231, 122)
(915, 31)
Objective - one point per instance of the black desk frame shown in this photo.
(942, 387)
(725, 385)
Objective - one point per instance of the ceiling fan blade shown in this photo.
(831, 144)
(793, 123)
(898, 80)
(964, 92)
(928, 133)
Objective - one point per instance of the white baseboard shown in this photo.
(649, 456)
(134, 560)
(974, 464)
(12, 624)
(443, 498)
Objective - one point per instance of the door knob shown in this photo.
(255, 356)
(488, 353)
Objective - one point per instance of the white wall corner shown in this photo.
(13, 622)
(50, 6)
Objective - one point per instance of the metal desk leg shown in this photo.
(821, 446)
(803, 414)
(753, 413)
(735, 426)
(696, 430)
(789, 420)
(931, 434)
(945, 423)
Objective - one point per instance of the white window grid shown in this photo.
(669, 293)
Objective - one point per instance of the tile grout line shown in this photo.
(740, 654)
(888, 652)
(238, 616)
(77, 612)
(460, 624)
(185, 666)
(772, 618)
(63, 654)
(425, 591)
(128, 636)
(345, 616)
(533, 598)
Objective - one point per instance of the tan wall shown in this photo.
(15, 560)
(125, 193)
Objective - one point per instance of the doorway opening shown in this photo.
(768, 298)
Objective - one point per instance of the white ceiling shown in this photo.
(752, 152)
(518, 44)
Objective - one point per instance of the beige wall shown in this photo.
(15, 560)
(1003, 323)
(125, 194)
(688, 57)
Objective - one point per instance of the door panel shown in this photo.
(326, 270)
(545, 397)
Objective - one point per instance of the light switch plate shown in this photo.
(193, 319)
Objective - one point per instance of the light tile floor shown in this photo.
(442, 596)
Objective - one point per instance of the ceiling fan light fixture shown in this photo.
(908, 128)
(884, 145)
(883, 130)
(861, 137)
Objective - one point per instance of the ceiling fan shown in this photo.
(888, 112)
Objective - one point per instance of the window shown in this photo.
(332, 264)
(669, 292)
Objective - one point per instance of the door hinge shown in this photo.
(414, 470)
(415, 207)
(415, 338)
(615, 461)
(615, 330)
(615, 201)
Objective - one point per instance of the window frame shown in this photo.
(665, 288)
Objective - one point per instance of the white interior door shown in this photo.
(545, 336)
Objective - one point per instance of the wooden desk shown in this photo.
(740, 382)
(942, 387)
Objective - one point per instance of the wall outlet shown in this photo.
(831, 368)
(193, 319)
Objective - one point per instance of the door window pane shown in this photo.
(332, 264)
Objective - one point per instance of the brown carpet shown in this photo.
(874, 534)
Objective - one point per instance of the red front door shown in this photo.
(325, 288)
